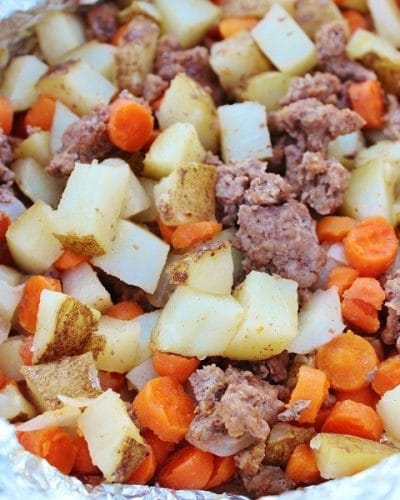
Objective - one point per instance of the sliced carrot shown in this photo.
(366, 396)
(342, 277)
(371, 247)
(6, 115)
(355, 20)
(69, 259)
(163, 406)
(125, 310)
(187, 235)
(387, 376)
(145, 471)
(83, 462)
(166, 231)
(41, 113)
(5, 222)
(312, 385)
(161, 449)
(302, 466)
(333, 228)
(54, 444)
(26, 351)
(4, 380)
(232, 25)
(223, 471)
(178, 367)
(187, 469)
(366, 99)
(348, 361)
(367, 289)
(118, 37)
(356, 419)
(130, 125)
(29, 305)
(112, 380)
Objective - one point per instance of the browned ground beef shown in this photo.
(269, 480)
(322, 86)
(391, 331)
(153, 87)
(102, 22)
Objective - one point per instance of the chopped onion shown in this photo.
(75, 402)
(223, 445)
(13, 209)
(66, 416)
(141, 374)
(336, 252)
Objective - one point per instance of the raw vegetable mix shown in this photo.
(199, 254)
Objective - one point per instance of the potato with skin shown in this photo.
(13, 405)
(282, 440)
(73, 376)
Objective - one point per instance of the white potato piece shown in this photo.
(320, 320)
(63, 118)
(346, 148)
(236, 59)
(19, 81)
(254, 8)
(10, 359)
(64, 326)
(284, 42)
(9, 300)
(139, 7)
(266, 88)
(388, 409)
(244, 132)
(209, 269)
(175, 146)
(186, 101)
(141, 374)
(36, 146)
(195, 323)
(87, 215)
(10, 275)
(383, 150)
(30, 239)
(340, 455)
(77, 85)
(136, 256)
(270, 317)
(312, 14)
(229, 235)
(82, 283)
(13, 405)
(386, 17)
(114, 442)
(150, 214)
(188, 20)
(33, 180)
(100, 56)
(147, 323)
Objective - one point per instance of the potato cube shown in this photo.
(100, 56)
(386, 17)
(9, 300)
(388, 409)
(266, 88)
(253, 8)
(10, 275)
(345, 148)
(150, 214)
(10, 359)
(36, 146)
(312, 14)
(147, 322)
(13, 405)
(63, 118)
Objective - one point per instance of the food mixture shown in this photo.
(199, 271)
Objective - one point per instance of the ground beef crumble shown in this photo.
(322, 86)
(391, 332)
(6, 157)
(269, 480)
(102, 22)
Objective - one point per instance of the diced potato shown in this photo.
(284, 42)
(63, 118)
(136, 257)
(388, 409)
(87, 215)
(266, 88)
(360, 5)
(141, 374)
(82, 283)
(188, 21)
(282, 440)
(100, 56)
(164, 288)
(10, 359)
(388, 151)
(33, 180)
(312, 14)
(77, 85)
(10, 275)
(115, 344)
(30, 239)
(36, 146)
(139, 7)
(147, 322)
(346, 147)
(114, 442)
(187, 194)
(195, 323)
(186, 101)
(236, 59)
(48, 30)
(13, 405)
(386, 17)
(253, 8)
(378, 54)
(339, 455)
(270, 317)
(63, 327)
(9, 300)
(74, 376)
(19, 81)
(371, 191)
(209, 269)
(176, 145)
(150, 214)
(244, 132)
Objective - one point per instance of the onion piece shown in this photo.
(141, 374)
(336, 252)
(75, 402)
(66, 416)
(223, 445)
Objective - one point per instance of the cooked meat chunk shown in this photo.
(269, 480)
(6, 175)
(391, 331)
(102, 21)
(153, 87)
(84, 140)
(6, 155)
(322, 86)
(391, 128)
(282, 440)
(269, 189)
(250, 459)
(294, 412)
(282, 240)
(274, 369)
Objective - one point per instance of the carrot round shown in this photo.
(112, 380)
(54, 444)
(371, 247)
(83, 462)
(333, 228)
(387, 375)
(312, 385)
(348, 361)
(69, 259)
(164, 407)
(367, 289)
(178, 367)
(187, 235)
(6, 115)
(223, 471)
(366, 99)
(302, 467)
(4, 380)
(166, 231)
(29, 305)
(232, 25)
(366, 396)
(130, 125)
(162, 449)
(355, 20)
(356, 419)
(146, 469)
(5, 221)
(125, 310)
(342, 277)
(41, 113)
(188, 468)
